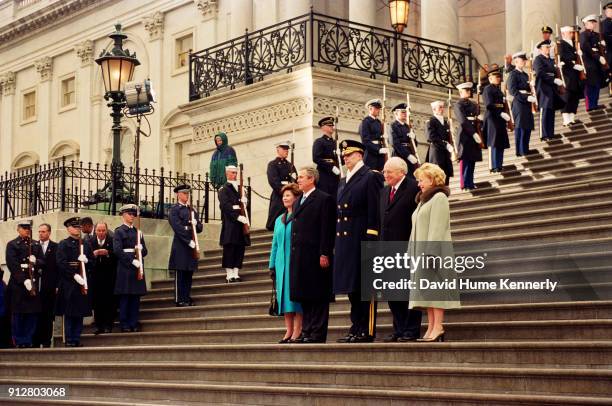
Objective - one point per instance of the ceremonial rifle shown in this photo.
(31, 271)
(414, 147)
(451, 136)
(509, 123)
(558, 71)
(83, 271)
(582, 74)
(243, 212)
(477, 121)
(337, 142)
(195, 252)
(385, 136)
(137, 249)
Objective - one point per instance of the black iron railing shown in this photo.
(327, 42)
(77, 187)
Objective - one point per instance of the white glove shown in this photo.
(28, 284)
(383, 151)
(477, 138)
(449, 147)
(244, 200)
(139, 247)
(579, 67)
(79, 279)
(335, 170)
(412, 135)
(243, 220)
(602, 60)
(480, 117)
(412, 159)
(561, 64)
(602, 42)
(579, 52)
(83, 258)
(136, 263)
(531, 99)
(32, 259)
(191, 244)
(505, 116)
(558, 82)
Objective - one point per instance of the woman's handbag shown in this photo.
(273, 310)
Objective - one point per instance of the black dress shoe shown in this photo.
(310, 340)
(346, 339)
(364, 338)
(125, 330)
(108, 330)
(190, 302)
(391, 338)
(182, 304)
(237, 279)
(405, 339)
(99, 331)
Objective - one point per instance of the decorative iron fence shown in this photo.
(327, 41)
(79, 187)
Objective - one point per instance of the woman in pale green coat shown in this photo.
(431, 238)
(280, 261)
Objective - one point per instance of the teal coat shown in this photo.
(280, 261)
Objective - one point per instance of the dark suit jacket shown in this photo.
(49, 279)
(312, 235)
(396, 217)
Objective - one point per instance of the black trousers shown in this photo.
(183, 281)
(406, 322)
(233, 255)
(44, 325)
(105, 310)
(573, 98)
(316, 320)
(363, 316)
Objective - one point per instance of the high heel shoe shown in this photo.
(285, 340)
(439, 338)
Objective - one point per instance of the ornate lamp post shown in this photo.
(399, 10)
(117, 69)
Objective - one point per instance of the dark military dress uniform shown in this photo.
(24, 306)
(72, 303)
(606, 34)
(325, 156)
(494, 126)
(548, 95)
(232, 238)
(182, 260)
(596, 76)
(468, 150)
(279, 174)
(438, 135)
(519, 88)
(573, 85)
(103, 280)
(371, 131)
(47, 286)
(128, 287)
(358, 220)
(402, 145)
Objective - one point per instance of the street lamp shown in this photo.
(399, 14)
(117, 69)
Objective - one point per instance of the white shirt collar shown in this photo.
(398, 184)
(101, 242)
(375, 118)
(357, 166)
(440, 118)
(569, 41)
(305, 195)
(401, 122)
(128, 226)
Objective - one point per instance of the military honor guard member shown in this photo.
(596, 76)
(47, 287)
(372, 131)
(280, 172)
(74, 301)
(468, 140)
(103, 278)
(571, 69)
(547, 90)
(357, 220)
(184, 256)
(438, 135)
(547, 36)
(495, 119)
(402, 137)
(324, 155)
(129, 245)
(233, 237)
(24, 259)
(522, 99)
(606, 33)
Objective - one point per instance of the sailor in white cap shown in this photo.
(438, 136)
(572, 71)
(595, 63)
(547, 89)
(371, 131)
(280, 172)
(522, 99)
(468, 141)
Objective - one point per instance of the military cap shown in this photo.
(609, 5)
(401, 107)
(326, 121)
(349, 146)
(129, 208)
(436, 103)
(545, 43)
(520, 54)
(568, 28)
(232, 168)
(546, 29)
(465, 85)
(283, 144)
(73, 222)
(24, 223)
(184, 188)
(590, 17)
(374, 103)
(494, 72)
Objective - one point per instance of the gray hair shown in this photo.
(101, 222)
(311, 172)
(397, 163)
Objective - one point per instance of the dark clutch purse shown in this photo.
(273, 310)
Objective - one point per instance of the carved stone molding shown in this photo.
(7, 81)
(44, 67)
(85, 51)
(154, 24)
(208, 8)
(253, 119)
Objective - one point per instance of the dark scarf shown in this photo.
(424, 197)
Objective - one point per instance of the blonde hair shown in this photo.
(433, 172)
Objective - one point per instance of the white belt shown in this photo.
(375, 142)
(24, 266)
(285, 182)
(595, 49)
(128, 250)
(236, 207)
(524, 92)
(471, 118)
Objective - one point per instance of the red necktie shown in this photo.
(392, 195)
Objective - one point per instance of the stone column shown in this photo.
(7, 119)
(440, 20)
(585, 7)
(265, 13)
(241, 17)
(150, 147)
(363, 11)
(292, 8)
(207, 34)
(535, 14)
(514, 42)
(44, 67)
(87, 138)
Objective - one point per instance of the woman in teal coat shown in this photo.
(280, 265)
